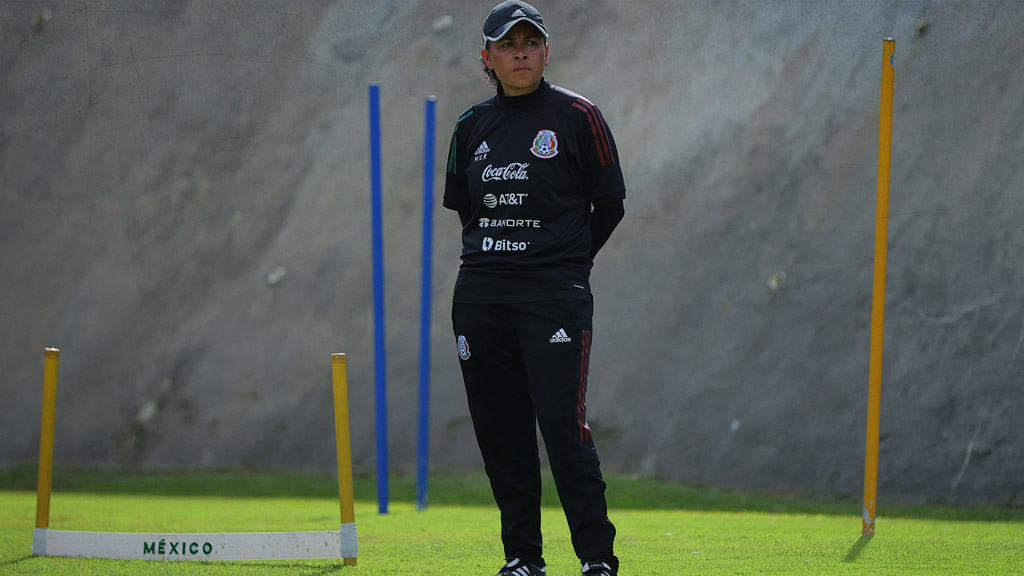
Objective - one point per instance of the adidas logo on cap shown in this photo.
(560, 336)
(506, 15)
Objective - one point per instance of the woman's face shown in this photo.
(518, 59)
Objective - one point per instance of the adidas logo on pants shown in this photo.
(560, 336)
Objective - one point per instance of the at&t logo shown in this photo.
(509, 199)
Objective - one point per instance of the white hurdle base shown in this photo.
(207, 547)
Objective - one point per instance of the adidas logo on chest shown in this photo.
(481, 152)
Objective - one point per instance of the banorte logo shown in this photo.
(508, 223)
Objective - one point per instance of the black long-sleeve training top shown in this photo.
(525, 173)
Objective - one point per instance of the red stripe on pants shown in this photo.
(581, 401)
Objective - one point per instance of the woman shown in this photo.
(534, 175)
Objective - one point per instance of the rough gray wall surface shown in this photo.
(184, 212)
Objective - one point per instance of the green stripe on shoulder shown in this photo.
(451, 152)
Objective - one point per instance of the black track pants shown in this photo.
(526, 364)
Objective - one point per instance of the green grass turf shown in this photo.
(664, 529)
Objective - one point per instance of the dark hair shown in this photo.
(492, 78)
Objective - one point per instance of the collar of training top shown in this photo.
(506, 15)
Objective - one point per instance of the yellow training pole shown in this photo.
(346, 494)
(878, 291)
(45, 483)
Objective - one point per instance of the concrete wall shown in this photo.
(184, 212)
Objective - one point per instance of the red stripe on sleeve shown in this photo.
(599, 129)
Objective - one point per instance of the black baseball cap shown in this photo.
(506, 15)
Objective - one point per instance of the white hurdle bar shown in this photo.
(179, 546)
(324, 544)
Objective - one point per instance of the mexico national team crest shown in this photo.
(545, 145)
(463, 347)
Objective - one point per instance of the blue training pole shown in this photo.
(378, 302)
(427, 264)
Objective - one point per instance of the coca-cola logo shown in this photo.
(514, 171)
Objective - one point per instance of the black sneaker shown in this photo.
(517, 567)
(597, 569)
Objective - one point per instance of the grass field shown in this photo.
(664, 529)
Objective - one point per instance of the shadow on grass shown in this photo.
(857, 548)
(286, 567)
(275, 567)
(13, 561)
(624, 493)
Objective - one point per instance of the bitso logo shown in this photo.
(463, 347)
(489, 244)
(545, 145)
